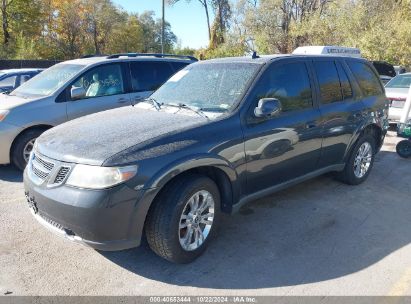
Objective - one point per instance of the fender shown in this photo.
(372, 119)
(166, 174)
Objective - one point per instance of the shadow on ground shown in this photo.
(10, 174)
(316, 231)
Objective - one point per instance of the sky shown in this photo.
(188, 20)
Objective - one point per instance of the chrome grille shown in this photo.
(61, 175)
(39, 173)
(47, 165)
(40, 167)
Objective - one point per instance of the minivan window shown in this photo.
(177, 66)
(208, 86)
(103, 80)
(49, 80)
(289, 83)
(368, 81)
(149, 75)
(345, 83)
(330, 90)
(8, 81)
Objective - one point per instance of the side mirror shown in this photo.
(267, 107)
(77, 93)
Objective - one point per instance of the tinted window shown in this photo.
(177, 66)
(289, 83)
(345, 83)
(149, 75)
(103, 80)
(329, 81)
(367, 80)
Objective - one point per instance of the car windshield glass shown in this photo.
(207, 86)
(49, 80)
(402, 81)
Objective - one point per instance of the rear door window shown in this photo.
(346, 87)
(368, 81)
(327, 75)
(149, 75)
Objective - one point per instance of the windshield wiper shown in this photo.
(193, 109)
(154, 102)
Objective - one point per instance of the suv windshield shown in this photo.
(48, 81)
(402, 81)
(214, 87)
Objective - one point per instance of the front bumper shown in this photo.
(7, 135)
(103, 219)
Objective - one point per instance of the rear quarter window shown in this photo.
(177, 66)
(368, 81)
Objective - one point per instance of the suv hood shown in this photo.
(94, 138)
(8, 102)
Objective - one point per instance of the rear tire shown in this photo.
(174, 214)
(404, 148)
(360, 161)
(23, 146)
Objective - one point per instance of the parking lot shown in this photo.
(318, 238)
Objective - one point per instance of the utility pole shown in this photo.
(162, 30)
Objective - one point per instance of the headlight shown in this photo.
(3, 114)
(94, 177)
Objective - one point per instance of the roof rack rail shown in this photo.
(158, 55)
(93, 55)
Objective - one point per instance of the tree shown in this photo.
(101, 17)
(128, 37)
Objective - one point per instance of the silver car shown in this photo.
(397, 91)
(76, 88)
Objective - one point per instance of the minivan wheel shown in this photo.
(22, 148)
(184, 218)
(360, 162)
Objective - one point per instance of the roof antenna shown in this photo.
(249, 41)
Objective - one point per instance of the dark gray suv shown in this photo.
(216, 135)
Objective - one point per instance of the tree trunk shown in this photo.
(204, 3)
(95, 36)
(5, 23)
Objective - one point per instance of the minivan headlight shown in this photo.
(95, 177)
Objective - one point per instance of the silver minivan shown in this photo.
(76, 88)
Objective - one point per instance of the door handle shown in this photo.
(310, 125)
(122, 100)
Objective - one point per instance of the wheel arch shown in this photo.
(43, 127)
(371, 128)
(217, 169)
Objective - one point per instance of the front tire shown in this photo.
(23, 146)
(184, 218)
(360, 161)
